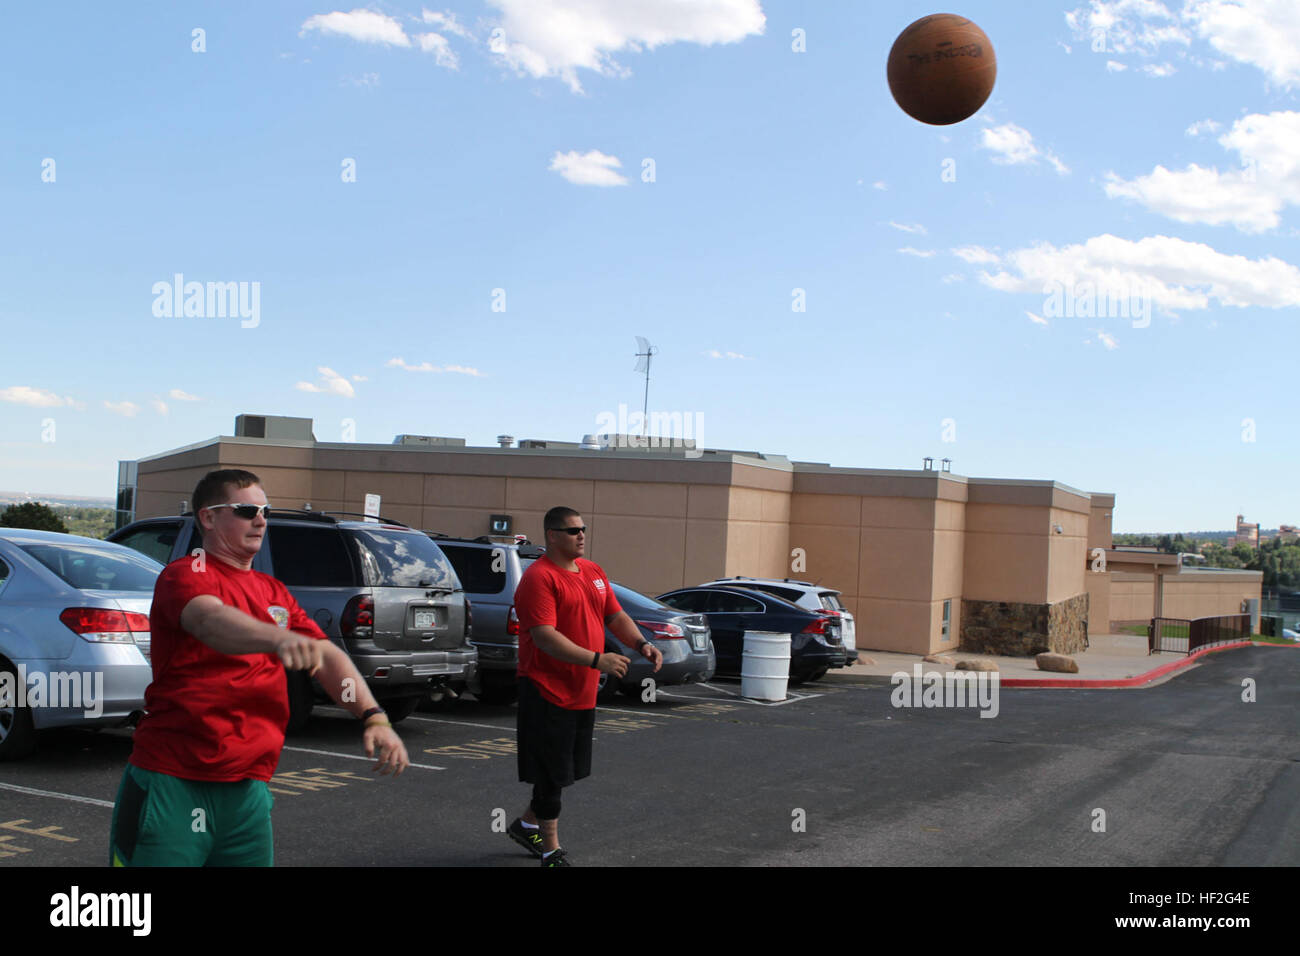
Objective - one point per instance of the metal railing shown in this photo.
(1181, 636)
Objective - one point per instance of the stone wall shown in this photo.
(1022, 630)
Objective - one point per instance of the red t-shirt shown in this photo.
(208, 715)
(576, 604)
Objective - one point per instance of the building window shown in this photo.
(946, 634)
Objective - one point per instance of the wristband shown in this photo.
(643, 643)
(595, 660)
(371, 712)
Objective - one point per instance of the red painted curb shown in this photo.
(1131, 681)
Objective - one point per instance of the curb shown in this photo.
(1078, 682)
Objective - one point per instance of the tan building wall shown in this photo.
(1187, 594)
(898, 544)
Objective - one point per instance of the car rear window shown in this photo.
(790, 594)
(474, 567)
(401, 559)
(634, 601)
(831, 601)
(88, 568)
(311, 557)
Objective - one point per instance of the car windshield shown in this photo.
(90, 568)
(402, 559)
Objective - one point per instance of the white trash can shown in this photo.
(765, 667)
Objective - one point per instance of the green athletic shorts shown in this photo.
(159, 820)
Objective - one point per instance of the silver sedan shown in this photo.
(74, 634)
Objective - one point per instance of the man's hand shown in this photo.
(651, 653)
(615, 664)
(301, 653)
(392, 752)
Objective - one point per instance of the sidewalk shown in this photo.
(1111, 660)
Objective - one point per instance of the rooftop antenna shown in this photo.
(643, 365)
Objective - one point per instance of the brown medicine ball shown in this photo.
(941, 69)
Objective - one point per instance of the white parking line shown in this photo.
(465, 723)
(331, 753)
(793, 698)
(644, 713)
(440, 720)
(61, 796)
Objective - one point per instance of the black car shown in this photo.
(815, 642)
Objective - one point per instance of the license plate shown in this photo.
(425, 620)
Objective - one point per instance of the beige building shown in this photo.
(925, 560)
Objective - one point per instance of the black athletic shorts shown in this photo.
(554, 743)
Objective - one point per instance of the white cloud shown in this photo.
(1013, 145)
(360, 378)
(1203, 126)
(1250, 197)
(1169, 272)
(1126, 26)
(714, 353)
(446, 22)
(158, 405)
(126, 409)
(36, 397)
(1036, 319)
(915, 228)
(369, 26)
(437, 44)
(1107, 340)
(953, 277)
(544, 38)
(331, 382)
(592, 168)
(181, 396)
(1160, 70)
(430, 367)
(1115, 66)
(919, 253)
(1262, 33)
(365, 79)
(975, 255)
(879, 184)
(364, 26)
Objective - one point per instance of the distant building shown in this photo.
(1246, 534)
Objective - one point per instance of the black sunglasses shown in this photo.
(247, 512)
(571, 531)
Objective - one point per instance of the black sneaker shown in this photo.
(557, 858)
(530, 840)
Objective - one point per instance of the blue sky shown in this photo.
(672, 170)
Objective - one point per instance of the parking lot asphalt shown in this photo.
(1187, 773)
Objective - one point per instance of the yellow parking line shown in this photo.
(331, 753)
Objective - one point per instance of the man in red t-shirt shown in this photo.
(195, 790)
(564, 603)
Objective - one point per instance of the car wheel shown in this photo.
(400, 708)
(818, 674)
(17, 733)
(301, 700)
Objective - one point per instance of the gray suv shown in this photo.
(381, 591)
(489, 571)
